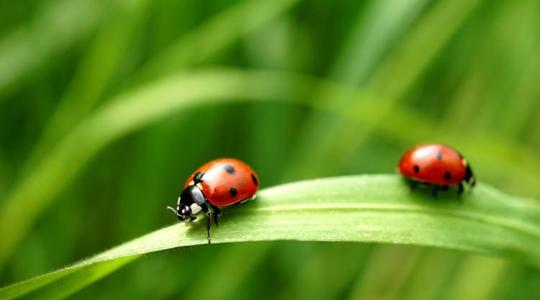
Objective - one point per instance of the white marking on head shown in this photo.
(178, 202)
(195, 208)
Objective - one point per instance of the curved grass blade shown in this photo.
(93, 76)
(215, 35)
(159, 100)
(364, 48)
(61, 25)
(376, 208)
(195, 47)
(428, 37)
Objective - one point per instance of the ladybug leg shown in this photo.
(212, 213)
(435, 191)
(413, 184)
(216, 214)
(208, 213)
(208, 226)
(460, 188)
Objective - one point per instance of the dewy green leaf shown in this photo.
(371, 208)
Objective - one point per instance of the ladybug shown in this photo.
(436, 165)
(217, 184)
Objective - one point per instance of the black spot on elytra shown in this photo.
(447, 175)
(439, 155)
(416, 169)
(254, 178)
(233, 192)
(229, 169)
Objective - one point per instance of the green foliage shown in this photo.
(106, 107)
(361, 209)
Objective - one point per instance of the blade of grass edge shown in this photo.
(136, 110)
(369, 208)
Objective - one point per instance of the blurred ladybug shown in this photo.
(217, 184)
(436, 165)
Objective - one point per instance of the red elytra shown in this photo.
(436, 164)
(225, 181)
(217, 184)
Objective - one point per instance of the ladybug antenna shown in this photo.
(174, 210)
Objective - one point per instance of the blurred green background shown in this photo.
(463, 72)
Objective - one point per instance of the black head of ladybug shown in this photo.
(190, 202)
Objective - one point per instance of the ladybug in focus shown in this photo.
(219, 183)
(436, 165)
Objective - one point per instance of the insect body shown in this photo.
(217, 184)
(437, 165)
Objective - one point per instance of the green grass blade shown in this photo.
(59, 27)
(243, 260)
(374, 33)
(336, 144)
(65, 282)
(477, 279)
(380, 279)
(99, 66)
(157, 101)
(215, 35)
(371, 37)
(93, 76)
(377, 208)
(127, 113)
